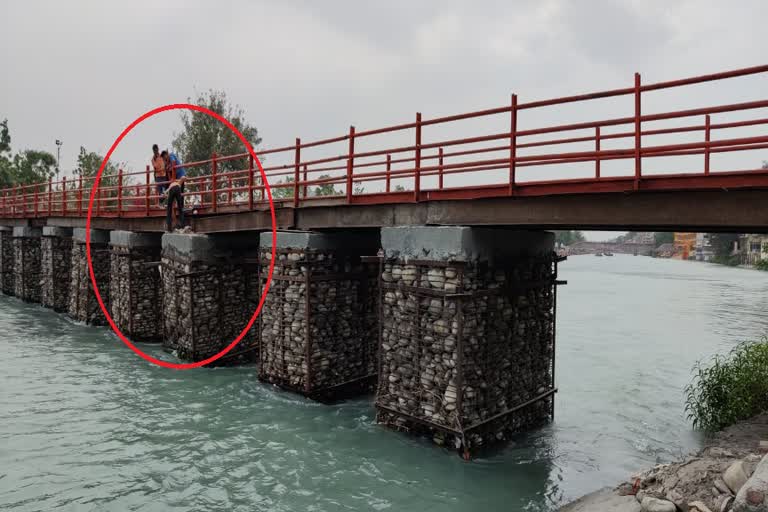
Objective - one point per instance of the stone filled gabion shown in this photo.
(135, 292)
(206, 305)
(26, 269)
(7, 263)
(83, 305)
(56, 271)
(319, 323)
(465, 343)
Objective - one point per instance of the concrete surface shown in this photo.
(57, 231)
(462, 243)
(98, 236)
(358, 240)
(133, 239)
(27, 232)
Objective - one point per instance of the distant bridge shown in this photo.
(372, 182)
(614, 247)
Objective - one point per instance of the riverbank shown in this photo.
(726, 474)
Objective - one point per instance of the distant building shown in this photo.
(685, 245)
(703, 248)
(753, 248)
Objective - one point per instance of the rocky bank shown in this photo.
(729, 474)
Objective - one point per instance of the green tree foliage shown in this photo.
(326, 189)
(765, 164)
(25, 167)
(399, 188)
(202, 135)
(568, 237)
(722, 244)
(730, 388)
(660, 238)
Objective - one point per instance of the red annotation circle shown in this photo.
(231, 345)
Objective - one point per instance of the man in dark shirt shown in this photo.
(178, 176)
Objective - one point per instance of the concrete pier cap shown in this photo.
(463, 243)
(98, 236)
(57, 231)
(367, 241)
(134, 239)
(27, 232)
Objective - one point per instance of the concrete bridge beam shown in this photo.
(56, 267)
(467, 335)
(27, 263)
(319, 323)
(135, 290)
(83, 305)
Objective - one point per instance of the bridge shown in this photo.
(490, 177)
(410, 259)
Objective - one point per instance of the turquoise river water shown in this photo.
(87, 425)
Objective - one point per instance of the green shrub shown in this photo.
(731, 388)
(762, 265)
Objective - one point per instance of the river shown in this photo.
(87, 425)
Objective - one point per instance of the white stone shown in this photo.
(651, 504)
(735, 476)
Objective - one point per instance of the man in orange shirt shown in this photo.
(161, 173)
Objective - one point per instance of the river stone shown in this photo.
(604, 500)
(651, 504)
(753, 495)
(697, 506)
(735, 476)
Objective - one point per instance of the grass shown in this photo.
(730, 388)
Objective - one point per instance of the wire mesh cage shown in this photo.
(6, 262)
(56, 262)
(467, 350)
(319, 323)
(135, 292)
(206, 305)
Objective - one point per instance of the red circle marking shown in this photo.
(166, 364)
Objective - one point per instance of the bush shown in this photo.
(731, 388)
(762, 265)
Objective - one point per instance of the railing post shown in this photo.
(35, 199)
(296, 165)
(417, 160)
(389, 172)
(707, 128)
(350, 162)
(80, 195)
(97, 196)
(50, 196)
(229, 192)
(440, 168)
(64, 196)
(250, 182)
(512, 144)
(638, 163)
(597, 152)
(146, 193)
(306, 179)
(119, 192)
(213, 182)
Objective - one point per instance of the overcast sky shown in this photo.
(82, 71)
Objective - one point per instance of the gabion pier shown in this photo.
(467, 333)
(209, 294)
(56, 267)
(135, 294)
(320, 318)
(27, 263)
(83, 305)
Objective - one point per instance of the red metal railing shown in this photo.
(362, 167)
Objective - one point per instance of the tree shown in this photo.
(32, 166)
(326, 189)
(203, 135)
(6, 164)
(399, 188)
(568, 237)
(765, 164)
(660, 238)
(722, 244)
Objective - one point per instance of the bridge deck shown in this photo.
(639, 171)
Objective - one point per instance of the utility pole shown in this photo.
(58, 156)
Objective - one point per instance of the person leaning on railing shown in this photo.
(178, 176)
